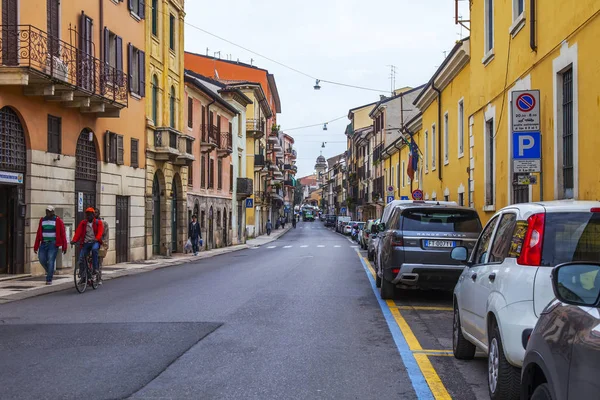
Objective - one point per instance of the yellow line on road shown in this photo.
(433, 380)
(424, 308)
(434, 352)
(410, 337)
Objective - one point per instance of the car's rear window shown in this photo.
(572, 236)
(436, 220)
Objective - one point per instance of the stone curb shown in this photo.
(57, 287)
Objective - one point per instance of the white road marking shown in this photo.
(287, 247)
(354, 247)
(320, 245)
(337, 246)
(271, 247)
(304, 246)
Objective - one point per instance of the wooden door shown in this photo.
(122, 229)
(10, 32)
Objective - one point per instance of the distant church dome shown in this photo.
(321, 160)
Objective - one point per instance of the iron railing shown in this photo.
(29, 47)
(210, 134)
(226, 141)
(164, 137)
(255, 125)
(259, 160)
(245, 186)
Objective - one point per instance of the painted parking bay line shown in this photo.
(424, 378)
(422, 308)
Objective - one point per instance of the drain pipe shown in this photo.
(439, 129)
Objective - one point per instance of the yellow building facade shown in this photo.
(168, 148)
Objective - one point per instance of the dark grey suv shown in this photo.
(416, 246)
(563, 352)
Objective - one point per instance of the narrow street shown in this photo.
(294, 319)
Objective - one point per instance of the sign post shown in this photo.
(527, 137)
(417, 194)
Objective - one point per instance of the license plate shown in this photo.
(440, 243)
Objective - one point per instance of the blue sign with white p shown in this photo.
(527, 145)
(390, 199)
(249, 203)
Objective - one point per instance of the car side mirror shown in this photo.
(577, 283)
(460, 254)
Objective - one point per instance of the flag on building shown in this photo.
(413, 160)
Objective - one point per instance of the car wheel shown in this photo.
(370, 256)
(503, 379)
(542, 392)
(461, 347)
(387, 289)
(377, 279)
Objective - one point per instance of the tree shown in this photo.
(298, 194)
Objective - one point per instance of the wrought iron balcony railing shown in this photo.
(210, 134)
(255, 125)
(226, 141)
(28, 47)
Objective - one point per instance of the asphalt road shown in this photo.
(295, 319)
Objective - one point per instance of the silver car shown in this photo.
(373, 241)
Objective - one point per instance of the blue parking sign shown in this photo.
(249, 203)
(390, 199)
(527, 145)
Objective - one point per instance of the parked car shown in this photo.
(365, 233)
(563, 352)
(373, 240)
(416, 244)
(348, 227)
(358, 226)
(506, 283)
(330, 221)
(340, 223)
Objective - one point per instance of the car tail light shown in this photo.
(531, 253)
(397, 241)
(595, 210)
(395, 271)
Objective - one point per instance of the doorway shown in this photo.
(174, 214)
(225, 227)
(9, 248)
(155, 216)
(239, 222)
(211, 229)
(86, 173)
(122, 229)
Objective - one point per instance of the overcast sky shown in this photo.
(347, 41)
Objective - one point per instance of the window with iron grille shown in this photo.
(54, 134)
(203, 172)
(135, 153)
(190, 112)
(567, 134)
(219, 174)
(211, 174)
(461, 199)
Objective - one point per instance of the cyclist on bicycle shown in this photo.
(89, 236)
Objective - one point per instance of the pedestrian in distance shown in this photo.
(89, 236)
(194, 234)
(50, 237)
(282, 222)
(294, 222)
(269, 227)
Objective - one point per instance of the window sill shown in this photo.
(488, 57)
(116, 2)
(461, 155)
(489, 208)
(135, 96)
(433, 169)
(517, 25)
(446, 162)
(135, 16)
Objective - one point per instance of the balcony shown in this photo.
(259, 162)
(57, 71)
(244, 188)
(287, 167)
(294, 169)
(209, 138)
(166, 144)
(225, 145)
(262, 197)
(255, 128)
(186, 156)
(289, 183)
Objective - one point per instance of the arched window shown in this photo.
(172, 106)
(155, 100)
(155, 17)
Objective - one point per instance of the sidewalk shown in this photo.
(26, 286)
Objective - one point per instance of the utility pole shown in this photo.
(393, 70)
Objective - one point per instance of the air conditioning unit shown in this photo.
(58, 70)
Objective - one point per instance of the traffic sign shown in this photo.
(249, 203)
(526, 111)
(527, 145)
(526, 179)
(80, 202)
(390, 199)
(417, 194)
(403, 197)
(343, 210)
(390, 189)
(526, 166)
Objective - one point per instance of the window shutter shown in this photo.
(130, 4)
(134, 153)
(130, 66)
(142, 12)
(203, 172)
(142, 66)
(230, 127)
(218, 124)
(190, 112)
(106, 54)
(107, 156)
(231, 177)
(120, 150)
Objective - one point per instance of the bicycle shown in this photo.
(89, 279)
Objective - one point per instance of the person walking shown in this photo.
(50, 237)
(282, 222)
(194, 234)
(269, 227)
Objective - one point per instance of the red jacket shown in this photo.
(80, 232)
(61, 236)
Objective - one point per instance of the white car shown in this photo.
(506, 282)
(348, 229)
